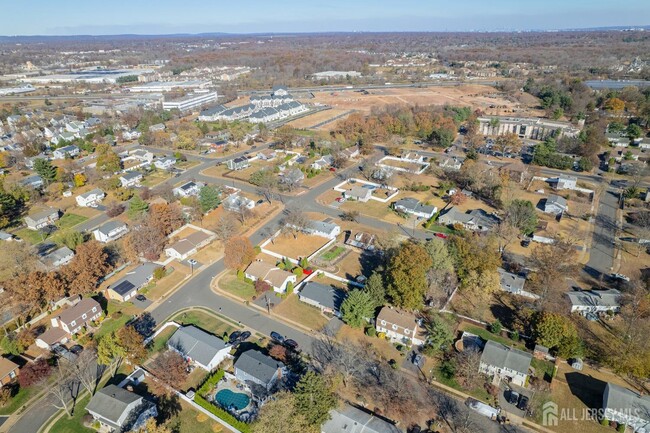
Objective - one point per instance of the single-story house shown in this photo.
(628, 407)
(127, 287)
(349, 419)
(565, 181)
(44, 218)
(253, 367)
(52, 337)
(510, 282)
(62, 152)
(399, 326)
(132, 178)
(505, 362)
(267, 154)
(326, 298)
(165, 163)
(199, 347)
(119, 410)
(517, 171)
(323, 229)
(555, 204)
(238, 163)
(59, 257)
(323, 162)
(451, 163)
(91, 198)
(187, 246)
(157, 127)
(351, 152)
(476, 219)
(72, 319)
(595, 301)
(412, 206)
(188, 189)
(237, 203)
(363, 240)
(110, 231)
(34, 181)
(276, 277)
(358, 193)
(8, 371)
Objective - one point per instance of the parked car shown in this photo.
(418, 360)
(511, 396)
(620, 277)
(522, 404)
(235, 336)
(291, 344)
(441, 235)
(244, 336)
(525, 243)
(140, 298)
(277, 337)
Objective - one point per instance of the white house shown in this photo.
(276, 277)
(254, 368)
(38, 220)
(130, 179)
(59, 257)
(505, 362)
(627, 407)
(412, 206)
(322, 163)
(323, 229)
(187, 246)
(131, 135)
(188, 189)
(358, 193)
(238, 163)
(452, 163)
(566, 181)
(73, 319)
(61, 152)
(143, 155)
(237, 203)
(110, 231)
(119, 410)
(91, 198)
(555, 204)
(399, 326)
(595, 301)
(198, 347)
(165, 163)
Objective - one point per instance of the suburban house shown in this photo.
(625, 406)
(157, 127)
(119, 410)
(199, 347)
(476, 219)
(131, 178)
(165, 163)
(238, 163)
(143, 155)
(276, 277)
(51, 338)
(565, 181)
(188, 189)
(555, 204)
(127, 287)
(59, 257)
(617, 139)
(8, 371)
(451, 163)
(66, 151)
(399, 326)
(73, 319)
(351, 152)
(326, 298)
(131, 135)
(517, 171)
(349, 419)
(595, 301)
(323, 162)
(323, 229)
(505, 362)
(414, 207)
(91, 198)
(110, 231)
(187, 246)
(237, 203)
(44, 218)
(358, 193)
(511, 283)
(255, 368)
(362, 240)
(34, 181)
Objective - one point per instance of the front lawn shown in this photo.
(295, 310)
(111, 324)
(18, 400)
(231, 284)
(487, 335)
(206, 321)
(73, 424)
(70, 220)
(32, 236)
(160, 342)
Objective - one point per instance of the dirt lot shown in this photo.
(317, 118)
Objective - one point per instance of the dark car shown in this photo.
(76, 349)
(244, 336)
(234, 337)
(522, 403)
(140, 298)
(291, 343)
(511, 396)
(525, 243)
(418, 360)
(277, 337)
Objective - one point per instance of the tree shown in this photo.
(467, 368)
(137, 207)
(406, 275)
(280, 414)
(294, 222)
(146, 239)
(89, 264)
(508, 143)
(505, 232)
(521, 214)
(34, 372)
(17, 258)
(350, 215)
(375, 289)
(114, 209)
(171, 369)
(85, 369)
(226, 227)
(633, 131)
(615, 104)
(439, 254)
(314, 398)
(556, 332)
(151, 426)
(45, 170)
(167, 217)
(476, 264)
(263, 177)
(132, 343)
(110, 352)
(438, 334)
(63, 387)
(357, 307)
(107, 160)
(208, 198)
(279, 352)
(72, 239)
(292, 179)
(239, 252)
(10, 208)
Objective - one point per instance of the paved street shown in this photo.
(602, 251)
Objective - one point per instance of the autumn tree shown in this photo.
(89, 264)
(275, 415)
(476, 261)
(615, 104)
(508, 143)
(34, 372)
(17, 258)
(279, 352)
(167, 217)
(107, 160)
(146, 240)
(171, 369)
(521, 214)
(357, 307)
(314, 398)
(152, 426)
(110, 352)
(551, 262)
(114, 209)
(468, 372)
(406, 275)
(558, 333)
(239, 252)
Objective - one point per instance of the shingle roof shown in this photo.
(111, 402)
(556, 200)
(52, 336)
(108, 227)
(510, 282)
(258, 365)
(37, 216)
(196, 344)
(502, 356)
(136, 278)
(349, 419)
(187, 244)
(624, 400)
(76, 312)
(95, 191)
(326, 296)
(131, 175)
(395, 317)
(596, 298)
(6, 366)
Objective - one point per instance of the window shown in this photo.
(94, 309)
(74, 322)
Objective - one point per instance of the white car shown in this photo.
(620, 277)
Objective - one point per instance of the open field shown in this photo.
(317, 118)
(301, 246)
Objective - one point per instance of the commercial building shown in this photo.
(188, 102)
(531, 128)
(168, 86)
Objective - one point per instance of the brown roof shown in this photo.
(402, 319)
(6, 367)
(187, 244)
(277, 277)
(75, 312)
(53, 336)
(267, 272)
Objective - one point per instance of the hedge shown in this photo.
(211, 382)
(217, 411)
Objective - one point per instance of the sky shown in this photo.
(107, 17)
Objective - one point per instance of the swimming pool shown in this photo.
(228, 399)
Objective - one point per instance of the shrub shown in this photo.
(289, 287)
(496, 327)
(5, 395)
(257, 249)
(217, 411)
(261, 286)
(240, 274)
(298, 272)
(371, 331)
(620, 428)
(159, 273)
(515, 335)
(381, 335)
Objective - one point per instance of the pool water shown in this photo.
(227, 399)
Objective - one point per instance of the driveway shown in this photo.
(511, 408)
(601, 255)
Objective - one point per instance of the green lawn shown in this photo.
(18, 400)
(230, 283)
(187, 421)
(32, 236)
(543, 369)
(332, 253)
(109, 325)
(440, 229)
(160, 342)
(206, 321)
(73, 424)
(70, 220)
(487, 335)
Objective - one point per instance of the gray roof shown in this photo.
(108, 227)
(213, 110)
(59, 254)
(321, 226)
(625, 400)
(349, 419)
(510, 282)
(131, 175)
(359, 191)
(70, 148)
(326, 296)
(30, 180)
(37, 216)
(196, 344)
(556, 200)
(477, 217)
(111, 402)
(135, 278)
(258, 365)
(96, 191)
(595, 298)
(502, 356)
(415, 206)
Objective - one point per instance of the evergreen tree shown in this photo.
(45, 170)
(375, 289)
(314, 399)
(137, 207)
(208, 198)
(356, 308)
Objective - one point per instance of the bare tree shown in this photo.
(85, 369)
(294, 222)
(467, 371)
(65, 388)
(226, 227)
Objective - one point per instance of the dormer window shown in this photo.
(407, 331)
(73, 323)
(84, 316)
(395, 327)
(383, 323)
(94, 310)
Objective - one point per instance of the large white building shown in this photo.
(335, 75)
(531, 128)
(168, 86)
(190, 101)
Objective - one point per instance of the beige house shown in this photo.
(399, 326)
(276, 277)
(73, 319)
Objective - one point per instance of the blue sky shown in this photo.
(100, 17)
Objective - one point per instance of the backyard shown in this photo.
(302, 245)
(233, 285)
(295, 310)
